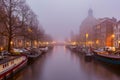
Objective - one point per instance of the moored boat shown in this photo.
(44, 49)
(33, 54)
(88, 55)
(11, 64)
(111, 58)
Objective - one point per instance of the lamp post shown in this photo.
(30, 33)
(86, 36)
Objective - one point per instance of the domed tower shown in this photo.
(90, 12)
(87, 25)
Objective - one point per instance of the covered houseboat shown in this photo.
(10, 65)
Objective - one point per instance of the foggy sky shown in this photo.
(60, 17)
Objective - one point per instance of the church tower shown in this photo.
(90, 12)
(86, 27)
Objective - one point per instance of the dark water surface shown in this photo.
(61, 64)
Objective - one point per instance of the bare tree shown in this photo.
(11, 17)
(19, 20)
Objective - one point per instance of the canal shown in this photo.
(62, 64)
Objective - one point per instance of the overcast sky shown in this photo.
(60, 17)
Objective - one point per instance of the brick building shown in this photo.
(104, 32)
(117, 35)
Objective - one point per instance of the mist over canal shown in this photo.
(62, 64)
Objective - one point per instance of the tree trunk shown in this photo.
(23, 42)
(9, 43)
(10, 27)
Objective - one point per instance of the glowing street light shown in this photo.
(74, 43)
(86, 36)
(11, 42)
(113, 36)
(97, 41)
(29, 30)
(1, 48)
(47, 43)
(119, 42)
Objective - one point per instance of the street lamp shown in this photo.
(1, 48)
(97, 41)
(86, 36)
(29, 30)
(11, 43)
(113, 36)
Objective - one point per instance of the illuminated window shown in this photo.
(98, 27)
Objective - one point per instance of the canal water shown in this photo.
(62, 64)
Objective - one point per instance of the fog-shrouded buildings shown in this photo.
(86, 28)
(104, 32)
(117, 35)
(97, 32)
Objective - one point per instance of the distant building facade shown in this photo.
(99, 32)
(117, 35)
(104, 32)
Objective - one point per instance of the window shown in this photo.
(98, 27)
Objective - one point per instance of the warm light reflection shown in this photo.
(64, 48)
(74, 43)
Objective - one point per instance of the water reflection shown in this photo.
(98, 71)
(61, 64)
